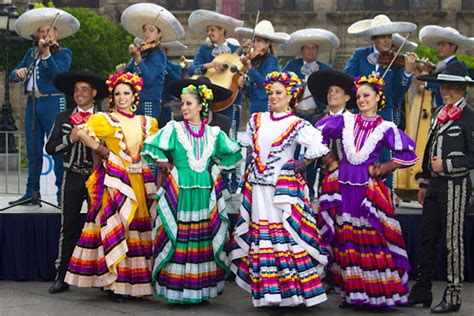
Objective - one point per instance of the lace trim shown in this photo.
(358, 157)
(195, 164)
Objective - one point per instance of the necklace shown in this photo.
(273, 118)
(369, 123)
(190, 130)
(129, 115)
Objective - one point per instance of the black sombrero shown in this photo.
(320, 81)
(65, 82)
(220, 93)
(455, 73)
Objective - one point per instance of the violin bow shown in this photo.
(154, 23)
(256, 22)
(396, 55)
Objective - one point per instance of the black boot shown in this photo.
(58, 286)
(420, 294)
(25, 199)
(445, 307)
(117, 298)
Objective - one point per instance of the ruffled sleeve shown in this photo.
(247, 138)
(227, 151)
(331, 127)
(156, 145)
(98, 126)
(402, 145)
(311, 138)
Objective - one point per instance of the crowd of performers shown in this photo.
(157, 221)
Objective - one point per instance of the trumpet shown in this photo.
(184, 62)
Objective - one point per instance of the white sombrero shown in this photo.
(326, 40)
(409, 46)
(264, 29)
(432, 34)
(137, 15)
(29, 22)
(199, 20)
(379, 25)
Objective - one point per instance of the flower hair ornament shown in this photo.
(376, 82)
(204, 92)
(135, 81)
(288, 79)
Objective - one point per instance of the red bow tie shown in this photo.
(449, 112)
(79, 118)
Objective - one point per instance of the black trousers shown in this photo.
(443, 222)
(74, 195)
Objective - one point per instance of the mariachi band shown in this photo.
(157, 187)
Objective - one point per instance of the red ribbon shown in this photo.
(79, 118)
(449, 113)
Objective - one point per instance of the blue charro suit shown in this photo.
(152, 69)
(49, 102)
(295, 66)
(434, 87)
(396, 85)
(254, 88)
(173, 72)
(396, 82)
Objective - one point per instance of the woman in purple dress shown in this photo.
(356, 214)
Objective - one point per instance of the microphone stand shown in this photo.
(35, 196)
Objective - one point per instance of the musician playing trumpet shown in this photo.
(153, 24)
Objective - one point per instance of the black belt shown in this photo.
(83, 171)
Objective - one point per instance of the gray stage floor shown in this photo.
(32, 298)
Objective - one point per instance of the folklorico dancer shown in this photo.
(215, 26)
(356, 215)
(191, 230)
(445, 187)
(36, 71)
(85, 87)
(259, 62)
(276, 252)
(333, 88)
(114, 251)
(306, 45)
(447, 41)
(154, 24)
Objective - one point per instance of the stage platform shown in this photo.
(29, 240)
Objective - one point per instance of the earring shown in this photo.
(288, 109)
(133, 108)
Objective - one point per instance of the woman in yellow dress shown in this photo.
(114, 251)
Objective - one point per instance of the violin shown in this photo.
(386, 58)
(147, 46)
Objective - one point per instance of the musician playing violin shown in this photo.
(259, 62)
(37, 70)
(147, 21)
(365, 61)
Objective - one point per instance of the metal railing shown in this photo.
(11, 156)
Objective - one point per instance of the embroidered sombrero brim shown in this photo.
(28, 23)
(379, 25)
(65, 82)
(320, 81)
(277, 37)
(432, 34)
(220, 93)
(448, 79)
(199, 20)
(326, 40)
(137, 15)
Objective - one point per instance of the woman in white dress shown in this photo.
(276, 252)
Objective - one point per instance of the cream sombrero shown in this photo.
(137, 15)
(263, 29)
(379, 25)
(199, 20)
(29, 22)
(432, 34)
(326, 40)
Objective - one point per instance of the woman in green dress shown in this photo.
(191, 228)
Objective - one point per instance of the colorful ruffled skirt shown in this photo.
(190, 236)
(114, 251)
(368, 259)
(276, 252)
